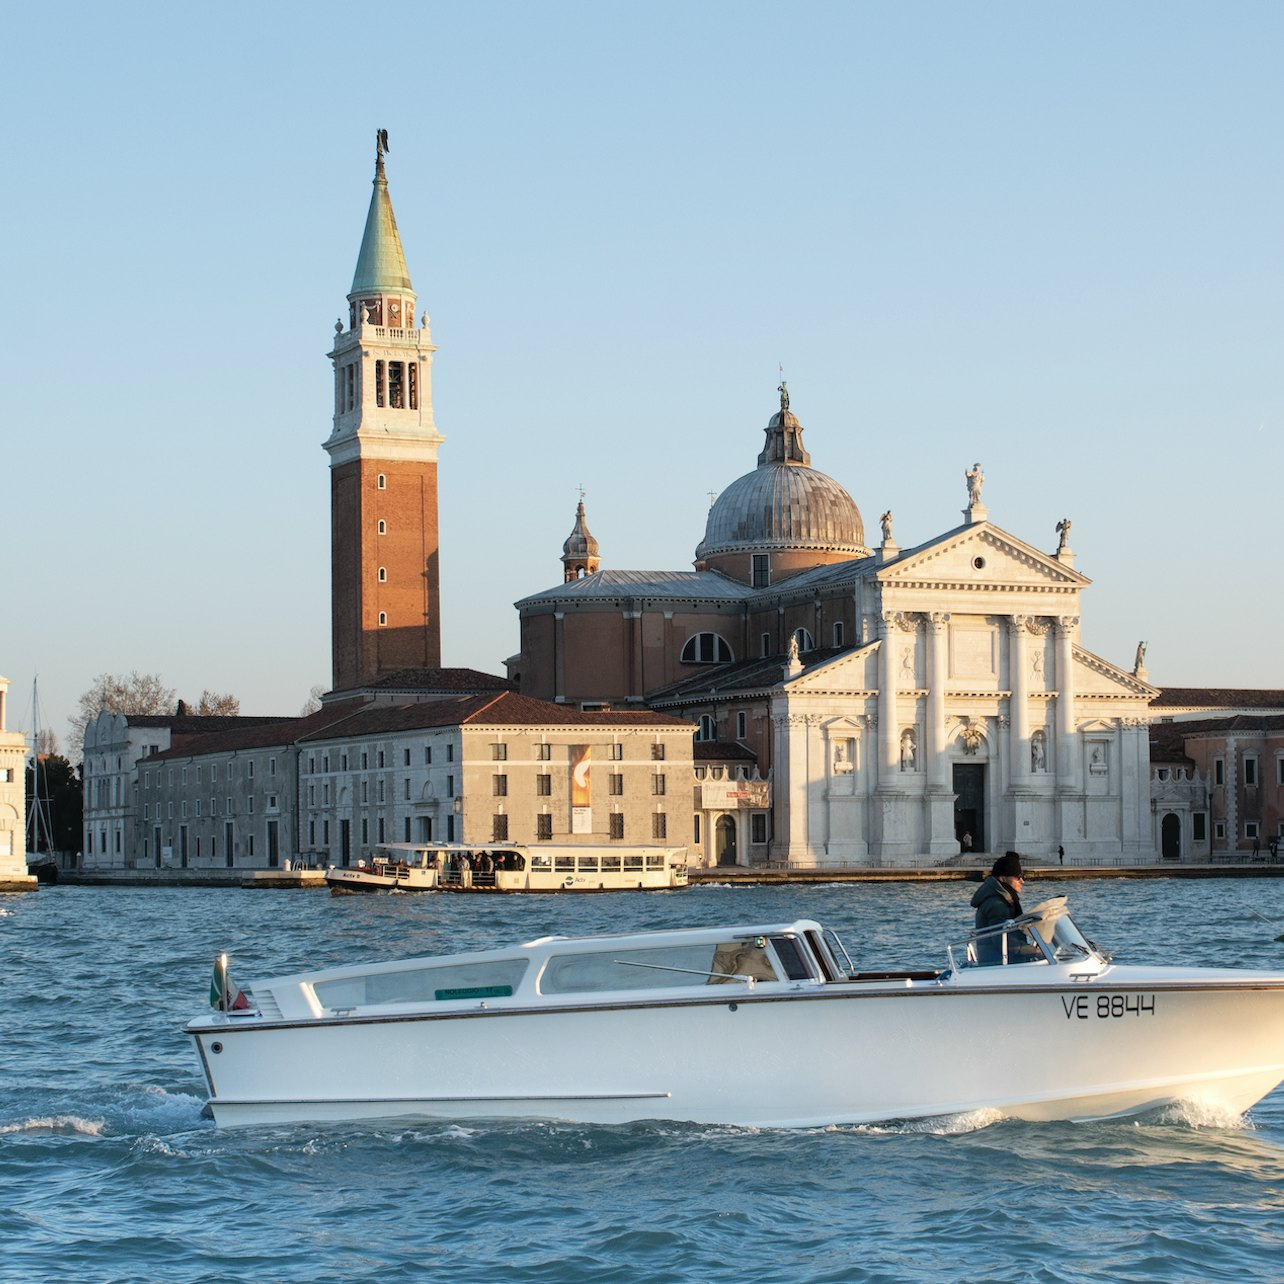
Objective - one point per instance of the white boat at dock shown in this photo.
(763, 1025)
(511, 867)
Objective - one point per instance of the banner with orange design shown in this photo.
(581, 789)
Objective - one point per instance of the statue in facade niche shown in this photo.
(886, 521)
(1063, 529)
(971, 739)
(1038, 756)
(975, 480)
(909, 750)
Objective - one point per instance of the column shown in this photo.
(937, 669)
(1019, 701)
(888, 723)
(1067, 742)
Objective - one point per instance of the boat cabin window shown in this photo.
(494, 978)
(655, 862)
(541, 862)
(561, 863)
(587, 864)
(633, 862)
(791, 957)
(610, 864)
(666, 967)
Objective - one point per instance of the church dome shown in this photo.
(784, 504)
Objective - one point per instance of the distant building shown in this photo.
(328, 788)
(897, 704)
(385, 580)
(1234, 770)
(114, 745)
(13, 804)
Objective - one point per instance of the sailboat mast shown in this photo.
(38, 823)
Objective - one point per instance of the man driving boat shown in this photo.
(997, 900)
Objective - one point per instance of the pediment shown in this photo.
(852, 671)
(1095, 677)
(1005, 562)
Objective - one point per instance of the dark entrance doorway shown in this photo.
(969, 806)
(726, 843)
(1170, 837)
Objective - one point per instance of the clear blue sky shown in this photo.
(1045, 237)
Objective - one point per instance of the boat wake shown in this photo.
(1202, 1114)
(71, 1125)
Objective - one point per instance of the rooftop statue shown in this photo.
(975, 480)
(1063, 529)
(784, 396)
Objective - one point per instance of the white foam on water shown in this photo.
(72, 1124)
(1203, 1114)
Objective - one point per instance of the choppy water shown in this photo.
(108, 1172)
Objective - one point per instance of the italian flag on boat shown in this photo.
(223, 995)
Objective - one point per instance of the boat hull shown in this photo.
(843, 1055)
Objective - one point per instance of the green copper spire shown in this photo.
(381, 265)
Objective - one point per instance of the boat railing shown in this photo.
(689, 971)
(995, 946)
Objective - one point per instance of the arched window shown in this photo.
(383, 574)
(383, 617)
(708, 728)
(707, 648)
(803, 638)
(383, 527)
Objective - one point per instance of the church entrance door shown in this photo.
(969, 806)
(1170, 837)
(726, 842)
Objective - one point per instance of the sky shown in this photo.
(1046, 238)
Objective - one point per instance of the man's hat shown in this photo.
(1008, 866)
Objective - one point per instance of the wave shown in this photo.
(72, 1124)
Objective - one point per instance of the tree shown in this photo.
(215, 705)
(135, 693)
(60, 785)
(313, 703)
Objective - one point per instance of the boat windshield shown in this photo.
(1046, 934)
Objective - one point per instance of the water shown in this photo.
(108, 1172)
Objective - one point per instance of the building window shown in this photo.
(543, 752)
(657, 753)
(383, 575)
(1219, 771)
(707, 648)
(543, 827)
(617, 753)
(764, 645)
(1250, 771)
(742, 720)
(761, 570)
(405, 831)
(708, 728)
(499, 828)
(1199, 826)
(427, 755)
(379, 398)
(450, 753)
(365, 832)
(1219, 830)
(1251, 829)
(382, 483)
(365, 760)
(615, 785)
(838, 633)
(617, 825)
(758, 827)
(383, 618)
(544, 786)
(499, 786)
(406, 783)
(1279, 770)
(381, 830)
(249, 803)
(381, 784)
(659, 826)
(405, 757)
(803, 638)
(365, 791)
(379, 760)
(695, 827)
(450, 786)
(657, 785)
(383, 527)
(499, 753)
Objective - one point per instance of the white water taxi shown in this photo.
(511, 867)
(766, 1025)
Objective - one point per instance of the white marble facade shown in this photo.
(970, 710)
(13, 807)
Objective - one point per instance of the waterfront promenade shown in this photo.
(722, 874)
